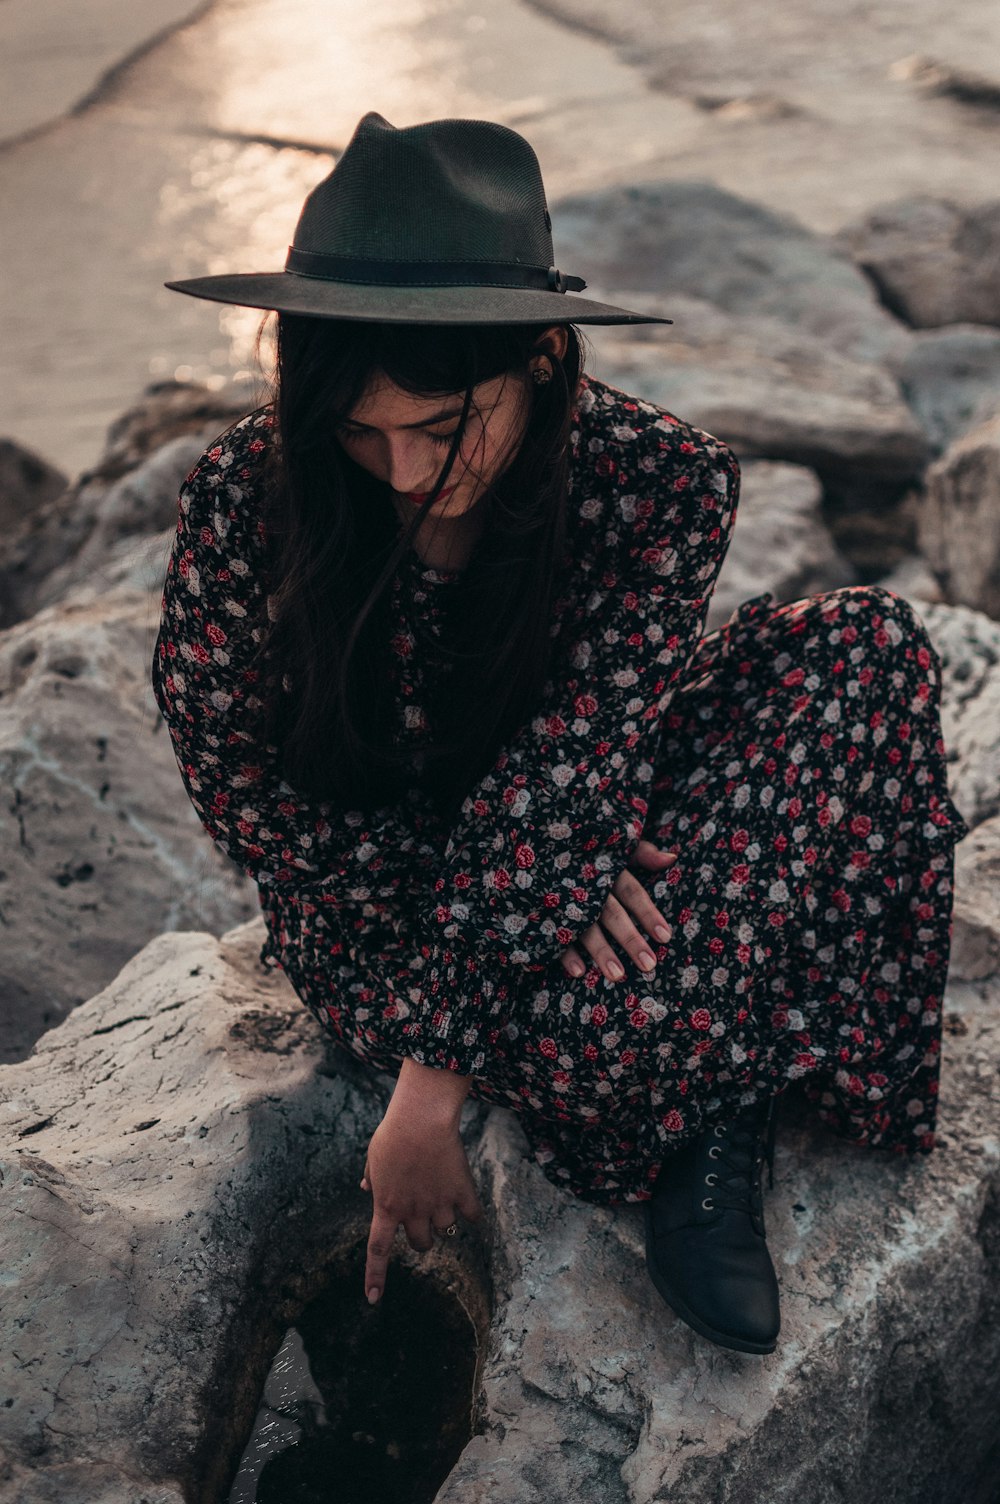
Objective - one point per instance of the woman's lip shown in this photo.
(423, 495)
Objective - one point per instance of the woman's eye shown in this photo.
(365, 433)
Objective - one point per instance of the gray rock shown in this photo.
(142, 502)
(167, 410)
(770, 391)
(951, 379)
(154, 1143)
(915, 580)
(934, 262)
(26, 482)
(975, 946)
(958, 519)
(968, 644)
(693, 238)
(100, 848)
(155, 444)
(180, 1162)
(780, 544)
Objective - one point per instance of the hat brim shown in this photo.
(289, 293)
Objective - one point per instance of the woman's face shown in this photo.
(404, 441)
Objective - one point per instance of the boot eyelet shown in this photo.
(708, 1204)
(714, 1152)
(719, 1131)
(712, 1179)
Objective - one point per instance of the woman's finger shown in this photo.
(573, 962)
(632, 896)
(420, 1233)
(380, 1240)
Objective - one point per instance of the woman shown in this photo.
(431, 657)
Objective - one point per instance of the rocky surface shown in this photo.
(976, 938)
(968, 644)
(781, 543)
(689, 238)
(959, 518)
(179, 1165)
(66, 539)
(933, 261)
(179, 1177)
(26, 482)
(100, 849)
(951, 379)
(766, 388)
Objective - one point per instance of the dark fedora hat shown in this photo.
(439, 223)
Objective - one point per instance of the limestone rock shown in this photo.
(132, 490)
(142, 502)
(968, 644)
(975, 949)
(100, 848)
(26, 482)
(781, 543)
(951, 379)
(915, 580)
(934, 262)
(180, 1168)
(180, 1163)
(770, 391)
(167, 410)
(668, 238)
(959, 519)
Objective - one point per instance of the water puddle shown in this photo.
(364, 1404)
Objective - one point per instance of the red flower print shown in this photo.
(638, 1018)
(524, 856)
(501, 878)
(599, 1015)
(673, 1122)
(585, 705)
(701, 1019)
(549, 1048)
(739, 840)
(605, 465)
(215, 635)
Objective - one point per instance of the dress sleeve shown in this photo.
(540, 841)
(213, 611)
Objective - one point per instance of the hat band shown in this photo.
(429, 273)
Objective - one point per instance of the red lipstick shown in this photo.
(420, 496)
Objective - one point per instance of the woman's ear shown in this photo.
(554, 340)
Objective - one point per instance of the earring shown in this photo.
(541, 375)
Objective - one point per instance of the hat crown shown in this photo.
(443, 190)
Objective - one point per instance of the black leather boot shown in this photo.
(705, 1248)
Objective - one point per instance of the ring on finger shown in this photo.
(447, 1232)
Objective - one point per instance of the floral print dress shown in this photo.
(792, 759)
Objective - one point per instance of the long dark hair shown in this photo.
(335, 541)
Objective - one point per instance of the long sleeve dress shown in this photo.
(792, 759)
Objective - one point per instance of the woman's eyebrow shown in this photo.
(451, 412)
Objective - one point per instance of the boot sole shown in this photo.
(722, 1339)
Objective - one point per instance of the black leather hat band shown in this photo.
(429, 273)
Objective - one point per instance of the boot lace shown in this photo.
(739, 1150)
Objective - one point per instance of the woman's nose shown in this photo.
(408, 467)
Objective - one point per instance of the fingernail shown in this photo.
(646, 961)
(372, 1296)
(616, 970)
(661, 932)
(576, 969)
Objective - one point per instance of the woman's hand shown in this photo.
(628, 901)
(416, 1169)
